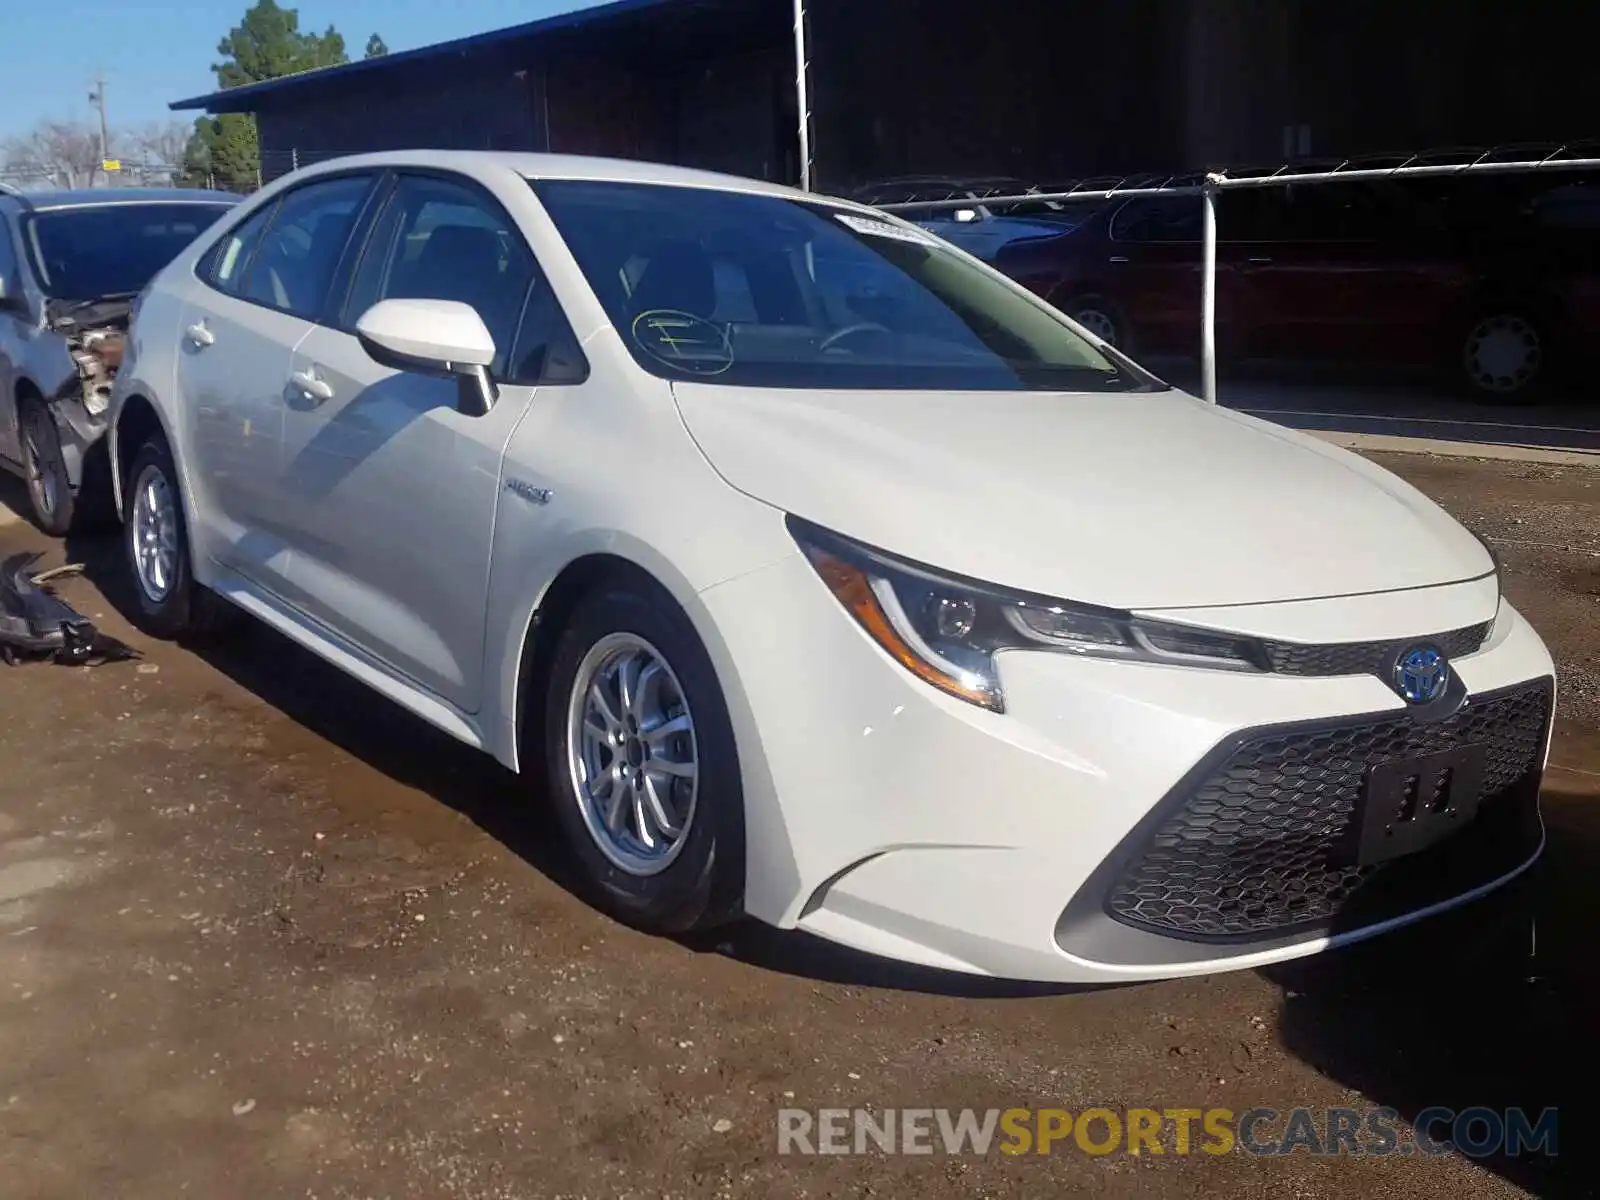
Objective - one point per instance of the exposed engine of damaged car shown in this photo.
(96, 332)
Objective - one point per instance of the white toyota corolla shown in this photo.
(828, 576)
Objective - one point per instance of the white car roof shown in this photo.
(561, 166)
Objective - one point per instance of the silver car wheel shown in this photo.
(154, 534)
(1502, 353)
(632, 754)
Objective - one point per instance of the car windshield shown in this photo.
(763, 291)
(113, 249)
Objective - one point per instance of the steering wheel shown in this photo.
(838, 335)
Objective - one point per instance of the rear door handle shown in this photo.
(199, 334)
(1260, 262)
(308, 383)
(1119, 258)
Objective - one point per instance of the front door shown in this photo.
(389, 488)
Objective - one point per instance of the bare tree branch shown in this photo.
(67, 153)
(160, 143)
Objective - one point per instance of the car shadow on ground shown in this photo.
(1494, 1017)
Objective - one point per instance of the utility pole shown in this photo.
(98, 99)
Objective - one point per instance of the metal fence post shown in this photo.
(802, 92)
(1208, 291)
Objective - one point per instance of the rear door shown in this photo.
(263, 284)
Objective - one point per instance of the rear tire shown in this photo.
(169, 603)
(614, 765)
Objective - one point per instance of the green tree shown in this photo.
(223, 151)
(268, 43)
(265, 44)
(375, 47)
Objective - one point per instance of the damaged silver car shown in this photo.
(72, 264)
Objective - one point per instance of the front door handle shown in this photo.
(199, 334)
(1119, 258)
(308, 383)
(1260, 262)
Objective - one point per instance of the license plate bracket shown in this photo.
(1408, 804)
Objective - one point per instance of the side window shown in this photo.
(295, 263)
(440, 240)
(227, 261)
(545, 350)
(1160, 219)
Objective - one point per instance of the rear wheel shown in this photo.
(45, 468)
(1100, 317)
(156, 540)
(642, 764)
(1504, 356)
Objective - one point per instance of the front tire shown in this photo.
(50, 491)
(169, 602)
(642, 765)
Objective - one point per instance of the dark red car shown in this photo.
(1496, 283)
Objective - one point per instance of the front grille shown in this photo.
(1366, 658)
(1259, 841)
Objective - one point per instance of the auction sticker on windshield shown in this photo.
(883, 229)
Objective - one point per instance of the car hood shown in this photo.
(1129, 500)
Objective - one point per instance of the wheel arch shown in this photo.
(137, 418)
(534, 628)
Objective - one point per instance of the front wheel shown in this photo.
(642, 764)
(45, 467)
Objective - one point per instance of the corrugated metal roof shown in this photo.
(242, 99)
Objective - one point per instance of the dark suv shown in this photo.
(1493, 281)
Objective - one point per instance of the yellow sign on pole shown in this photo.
(111, 164)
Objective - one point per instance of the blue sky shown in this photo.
(155, 51)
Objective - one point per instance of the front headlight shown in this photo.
(946, 630)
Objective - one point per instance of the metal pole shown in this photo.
(1208, 293)
(802, 92)
(99, 99)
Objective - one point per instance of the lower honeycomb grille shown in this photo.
(1260, 844)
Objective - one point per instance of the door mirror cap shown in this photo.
(431, 337)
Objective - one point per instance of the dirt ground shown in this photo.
(263, 935)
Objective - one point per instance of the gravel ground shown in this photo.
(263, 935)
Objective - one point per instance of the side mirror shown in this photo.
(444, 339)
(966, 216)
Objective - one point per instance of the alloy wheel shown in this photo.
(154, 534)
(46, 473)
(1099, 323)
(632, 754)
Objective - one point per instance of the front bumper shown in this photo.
(894, 819)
